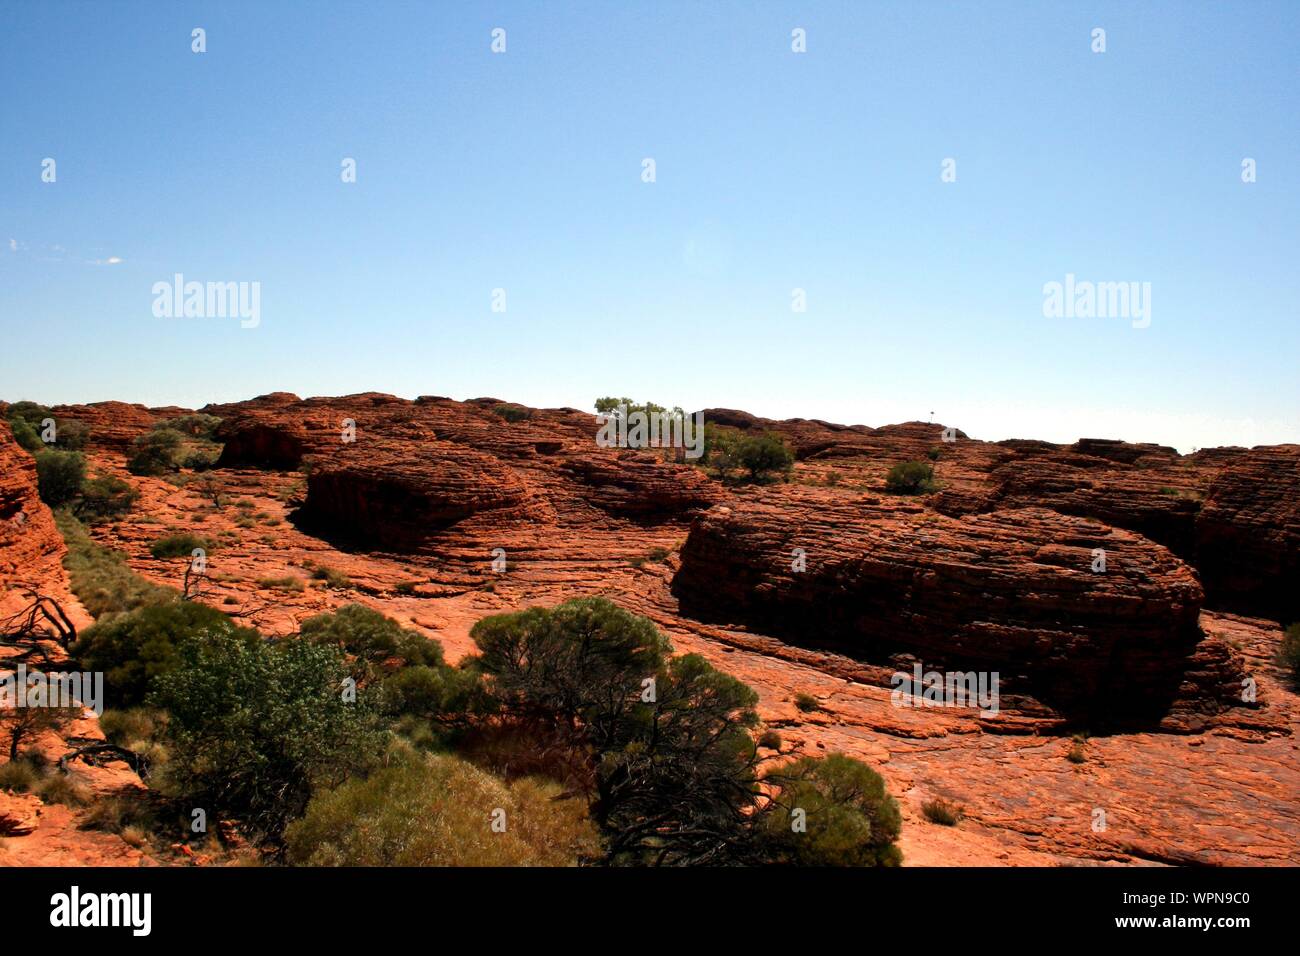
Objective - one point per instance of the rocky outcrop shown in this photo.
(1160, 501)
(1248, 534)
(114, 425)
(382, 494)
(1013, 591)
(638, 483)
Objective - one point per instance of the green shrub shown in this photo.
(512, 413)
(104, 498)
(25, 435)
(134, 650)
(370, 637)
(934, 454)
(178, 545)
(763, 455)
(255, 728)
(942, 812)
(910, 478)
(100, 577)
(847, 819)
(663, 747)
(59, 475)
(440, 811)
(154, 453)
(770, 739)
(200, 459)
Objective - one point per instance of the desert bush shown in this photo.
(104, 498)
(178, 545)
(440, 811)
(770, 739)
(59, 787)
(59, 475)
(848, 817)
(721, 447)
(255, 728)
(18, 775)
(135, 649)
(942, 812)
(807, 703)
(331, 576)
(155, 452)
(286, 583)
(100, 577)
(910, 478)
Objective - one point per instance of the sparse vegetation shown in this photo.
(100, 577)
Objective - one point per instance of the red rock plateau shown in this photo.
(408, 503)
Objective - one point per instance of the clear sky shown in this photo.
(775, 170)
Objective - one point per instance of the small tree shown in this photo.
(910, 478)
(105, 497)
(154, 453)
(211, 488)
(59, 475)
(764, 455)
(23, 723)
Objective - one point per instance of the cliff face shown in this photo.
(31, 548)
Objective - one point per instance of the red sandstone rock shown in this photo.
(1011, 590)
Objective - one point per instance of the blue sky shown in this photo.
(774, 171)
